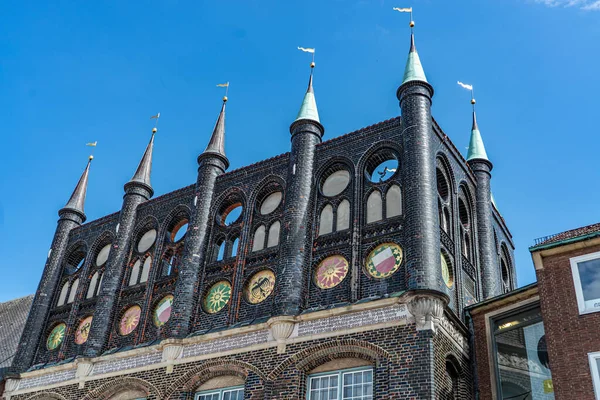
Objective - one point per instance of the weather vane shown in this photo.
(226, 86)
(309, 50)
(468, 87)
(93, 145)
(406, 10)
(156, 117)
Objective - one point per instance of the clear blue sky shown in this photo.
(74, 72)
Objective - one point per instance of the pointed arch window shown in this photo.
(220, 250)
(374, 207)
(273, 238)
(73, 291)
(259, 238)
(63, 294)
(234, 247)
(92, 287)
(444, 200)
(146, 270)
(465, 229)
(326, 220)
(343, 216)
(135, 273)
(393, 202)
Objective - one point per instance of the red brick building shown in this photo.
(542, 341)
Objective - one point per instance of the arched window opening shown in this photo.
(505, 269)
(467, 245)
(234, 247)
(442, 185)
(381, 166)
(463, 213)
(259, 238)
(374, 207)
(146, 270)
(220, 250)
(273, 239)
(135, 273)
(130, 394)
(92, 288)
(343, 216)
(63, 294)
(393, 202)
(443, 221)
(326, 220)
(75, 260)
(446, 219)
(99, 286)
(450, 386)
(73, 291)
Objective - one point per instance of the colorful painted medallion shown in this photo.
(217, 297)
(384, 260)
(162, 311)
(56, 337)
(130, 320)
(331, 272)
(446, 272)
(83, 330)
(260, 286)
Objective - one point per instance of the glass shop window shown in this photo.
(521, 357)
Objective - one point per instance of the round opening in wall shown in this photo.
(179, 231)
(381, 166)
(336, 183)
(146, 241)
(231, 214)
(75, 260)
(270, 203)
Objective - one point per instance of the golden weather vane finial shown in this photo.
(468, 87)
(93, 145)
(226, 86)
(309, 50)
(156, 117)
(406, 10)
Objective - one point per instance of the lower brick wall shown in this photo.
(402, 358)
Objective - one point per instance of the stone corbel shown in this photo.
(12, 385)
(84, 369)
(282, 329)
(427, 310)
(170, 353)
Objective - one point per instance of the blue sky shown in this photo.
(72, 73)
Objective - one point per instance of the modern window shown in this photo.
(349, 384)
(521, 356)
(586, 277)
(230, 393)
(594, 359)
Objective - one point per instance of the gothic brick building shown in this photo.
(338, 270)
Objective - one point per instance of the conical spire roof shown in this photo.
(216, 144)
(308, 109)
(77, 201)
(413, 70)
(142, 174)
(476, 147)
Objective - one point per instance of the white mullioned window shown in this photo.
(229, 393)
(586, 277)
(594, 359)
(349, 384)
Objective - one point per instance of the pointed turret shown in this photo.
(142, 174)
(413, 70)
(476, 147)
(217, 140)
(308, 109)
(77, 201)
(216, 145)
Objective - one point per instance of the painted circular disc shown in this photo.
(217, 297)
(446, 272)
(384, 260)
(162, 311)
(130, 320)
(83, 330)
(331, 272)
(260, 286)
(56, 337)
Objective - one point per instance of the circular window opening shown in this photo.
(146, 241)
(179, 231)
(270, 203)
(231, 214)
(442, 185)
(103, 256)
(75, 260)
(381, 166)
(463, 214)
(336, 183)
(447, 274)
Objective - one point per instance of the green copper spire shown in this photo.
(414, 69)
(308, 109)
(476, 148)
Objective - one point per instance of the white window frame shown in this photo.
(220, 392)
(577, 282)
(340, 374)
(592, 358)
